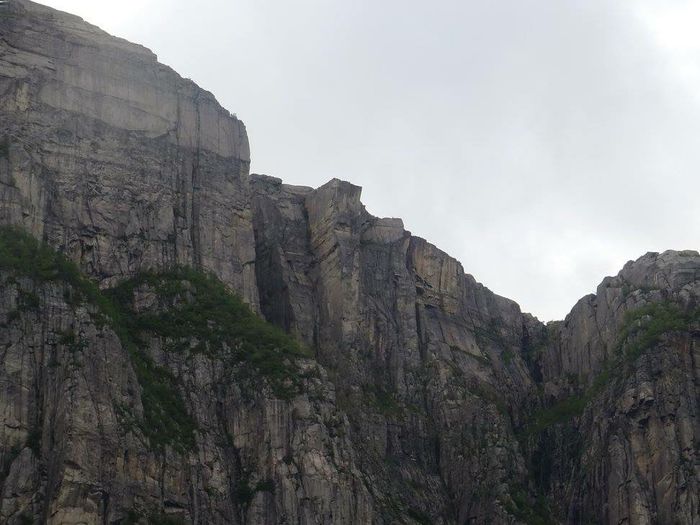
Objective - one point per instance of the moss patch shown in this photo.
(643, 327)
(22, 255)
(197, 313)
(165, 421)
(198, 308)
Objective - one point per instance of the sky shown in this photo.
(541, 143)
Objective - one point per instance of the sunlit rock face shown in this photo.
(418, 396)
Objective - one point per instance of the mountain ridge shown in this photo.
(428, 399)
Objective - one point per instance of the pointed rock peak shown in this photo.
(337, 196)
(670, 270)
(341, 187)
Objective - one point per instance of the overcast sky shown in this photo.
(542, 143)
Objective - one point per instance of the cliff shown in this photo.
(369, 379)
(114, 158)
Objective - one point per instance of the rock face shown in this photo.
(426, 360)
(425, 398)
(77, 403)
(630, 356)
(114, 158)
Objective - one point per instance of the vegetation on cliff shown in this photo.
(641, 330)
(196, 313)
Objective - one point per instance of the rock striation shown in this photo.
(135, 389)
(116, 159)
(628, 356)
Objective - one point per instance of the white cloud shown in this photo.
(674, 26)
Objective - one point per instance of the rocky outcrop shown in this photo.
(627, 359)
(98, 430)
(114, 158)
(416, 396)
(426, 360)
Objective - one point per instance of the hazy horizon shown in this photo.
(542, 145)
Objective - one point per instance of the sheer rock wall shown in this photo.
(433, 401)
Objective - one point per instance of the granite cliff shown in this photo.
(183, 342)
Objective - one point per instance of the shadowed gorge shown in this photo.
(184, 342)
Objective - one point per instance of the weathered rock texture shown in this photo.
(432, 399)
(116, 159)
(630, 354)
(74, 450)
(425, 359)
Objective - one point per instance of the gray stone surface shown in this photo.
(69, 457)
(114, 158)
(423, 401)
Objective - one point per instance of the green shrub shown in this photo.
(165, 417)
(67, 338)
(13, 316)
(22, 255)
(507, 356)
(641, 330)
(166, 421)
(160, 518)
(266, 485)
(643, 327)
(8, 457)
(560, 412)
(155, 517)
(381, 399)
(132, 518)
(198, 307)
